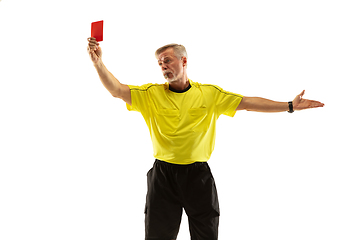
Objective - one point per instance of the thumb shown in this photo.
(302, 93)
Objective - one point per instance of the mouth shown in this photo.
(168, 75)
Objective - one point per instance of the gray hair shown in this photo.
(179, 50)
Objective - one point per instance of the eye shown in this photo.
(167, 60)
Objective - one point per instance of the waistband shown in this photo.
(180, 166)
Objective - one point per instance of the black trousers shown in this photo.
(172, 188)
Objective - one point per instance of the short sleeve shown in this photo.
(139, 98)
(227, 102)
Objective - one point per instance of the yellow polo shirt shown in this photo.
(182, 125)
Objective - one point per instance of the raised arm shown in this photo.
(265, 105)
(116, 88)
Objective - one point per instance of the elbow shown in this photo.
(122, 93)
(116, 94)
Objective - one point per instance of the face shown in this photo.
(171, 66)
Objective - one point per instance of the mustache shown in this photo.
(166, 72)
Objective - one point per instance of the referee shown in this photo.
(181, 116)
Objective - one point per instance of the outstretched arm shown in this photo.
(258, 104)
(116, 88)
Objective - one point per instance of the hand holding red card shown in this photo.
(97, 30)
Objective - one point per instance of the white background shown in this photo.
(73, 160)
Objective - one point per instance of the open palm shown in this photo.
(300, 103)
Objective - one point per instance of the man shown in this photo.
(181, 116)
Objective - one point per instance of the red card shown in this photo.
(97, 30)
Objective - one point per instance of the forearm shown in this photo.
(258, 104)
(108, 80)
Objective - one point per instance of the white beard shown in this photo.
(170, 80)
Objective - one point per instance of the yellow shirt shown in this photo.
(182, 125)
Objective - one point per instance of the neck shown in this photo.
(180, 84)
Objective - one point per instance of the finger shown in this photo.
(93, 46)
(91, 39)
(93, 43)
(91, 49)
(318, 104)
(315, 104)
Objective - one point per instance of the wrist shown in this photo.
(99, 64)
(291, 107)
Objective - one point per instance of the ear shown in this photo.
(184, 60)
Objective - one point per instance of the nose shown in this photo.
(163, 66)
